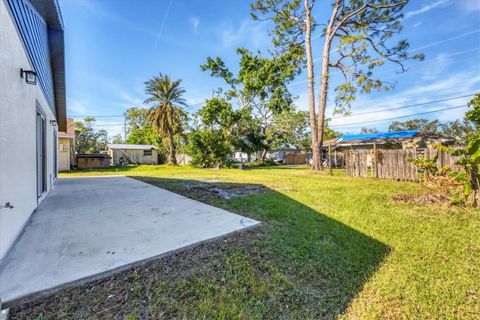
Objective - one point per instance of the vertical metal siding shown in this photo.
(34, 33)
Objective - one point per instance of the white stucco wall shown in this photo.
(18, 102)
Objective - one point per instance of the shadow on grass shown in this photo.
(323, 263)
(299, 264)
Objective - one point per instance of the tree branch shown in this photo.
(363, 8)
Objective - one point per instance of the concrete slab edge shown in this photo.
(99, 276)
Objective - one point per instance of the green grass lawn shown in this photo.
(330, 247)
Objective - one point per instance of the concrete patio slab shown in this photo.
(90, 227)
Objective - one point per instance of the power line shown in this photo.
(403, 107)
(107, 125)
(445, 40)
(337, 117)
(433, 43)
(413, 95)
(400, 117)
(409, 65)
(102, 116)
(415, 49)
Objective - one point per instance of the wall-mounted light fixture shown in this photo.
(29, 75)
(53, 123)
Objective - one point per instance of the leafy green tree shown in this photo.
(469, 159)
(288, 129)
(260, 89)
(117, 139)
(458, 129)
(145, 135)
(474, 114)
(215, 136)
(102, 140)
(361, 31)
(139, 130)
(424, 125)
(166, 115)
(329, 133)
(208, 147)
(469, 156)
(87, 139)
(293, 29)
(135, 118)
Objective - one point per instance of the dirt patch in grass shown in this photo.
(431, 199)
(208, 190)
(152, 291)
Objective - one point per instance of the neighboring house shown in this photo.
(32, 108)
(409, 139)
(290, 156)
(387, 140)
(132, 153)
(66, 147)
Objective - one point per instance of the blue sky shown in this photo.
(114, 46)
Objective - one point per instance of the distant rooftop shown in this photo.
(379, 135)
(131, 146)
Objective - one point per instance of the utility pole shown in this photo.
(125, 128)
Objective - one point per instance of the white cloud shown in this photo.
(458, 84)
(249, 32)
(76, 107)
(195, 23)
(164, 20)
(426, 8)
(470, 5)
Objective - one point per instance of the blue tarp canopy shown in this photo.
(379, 135)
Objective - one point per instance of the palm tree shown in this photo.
(166, 114)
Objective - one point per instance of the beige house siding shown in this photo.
(135, 156)
(64, 155)
(66, 147)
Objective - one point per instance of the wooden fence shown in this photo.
(391, 164)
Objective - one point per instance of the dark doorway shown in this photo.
(41, 155)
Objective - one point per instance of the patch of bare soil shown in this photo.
(438, 198)
(226, 191)
(205, 191)
(117, 296)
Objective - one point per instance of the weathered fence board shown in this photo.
(392, 164)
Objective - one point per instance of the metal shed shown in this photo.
(121, 154)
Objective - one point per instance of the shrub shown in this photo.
(208, 148)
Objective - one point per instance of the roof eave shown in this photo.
(57, 52)
(50, 11)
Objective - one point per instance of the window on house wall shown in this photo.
(147, 152)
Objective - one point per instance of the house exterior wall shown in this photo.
(64, 153)
(66, 147)
(135, 155)
(18, 104)
(34, 33)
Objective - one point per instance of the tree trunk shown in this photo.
(263, 155)
(475, 187)
(172, 159)
(316, 156)
(322, 103)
